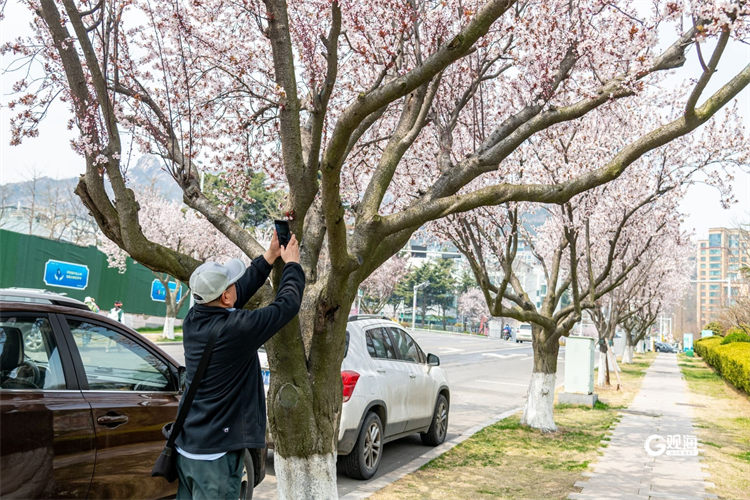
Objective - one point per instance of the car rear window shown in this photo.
(379, 344)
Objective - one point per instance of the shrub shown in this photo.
(701, 345)
(736, 335)
(731, 360)
(735, 364)
(715, 327)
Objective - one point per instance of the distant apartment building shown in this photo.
(719, 278)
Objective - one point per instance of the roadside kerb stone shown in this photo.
(381, 482)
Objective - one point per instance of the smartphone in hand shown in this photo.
(282, 230)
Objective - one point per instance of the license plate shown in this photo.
(266, 377)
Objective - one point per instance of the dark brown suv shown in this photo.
(83, 399)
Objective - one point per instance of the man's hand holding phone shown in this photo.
(290, 252)
(283, 244)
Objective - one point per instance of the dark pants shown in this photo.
(210, 479)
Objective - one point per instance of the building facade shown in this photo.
(719, 277)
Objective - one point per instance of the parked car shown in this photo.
(82, 414)
(523, 332)
(664, 347)
(391, 390)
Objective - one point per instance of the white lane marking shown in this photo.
(450, 350)
(500, 382)
(503, 356)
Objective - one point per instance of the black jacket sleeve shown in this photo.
(259, 325)
(255, 275)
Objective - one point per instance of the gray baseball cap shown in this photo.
(210, 279)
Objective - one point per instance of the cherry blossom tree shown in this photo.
(375, 117)
(173, 225)
(587, 247)
(379, 286)
(654, 287)
(471, 305)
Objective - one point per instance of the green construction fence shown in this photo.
(22, 264)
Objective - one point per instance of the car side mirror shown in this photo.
(433, 360)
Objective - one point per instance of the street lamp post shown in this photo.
(414, 303)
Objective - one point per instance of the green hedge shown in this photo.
(700, 346)
(736, 336)
(731, 360)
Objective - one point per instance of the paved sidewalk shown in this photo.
(626, 470)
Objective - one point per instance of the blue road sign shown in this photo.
(159, 294)
(66, 274)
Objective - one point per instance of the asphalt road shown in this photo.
(486, 377)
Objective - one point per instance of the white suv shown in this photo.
(391, 389)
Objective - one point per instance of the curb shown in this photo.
(393, 476)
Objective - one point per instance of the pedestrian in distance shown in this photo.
(228, 413)
(91, 304)
(116, 312)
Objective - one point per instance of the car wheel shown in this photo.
(248, 476)
(435, 435)
(363, 461)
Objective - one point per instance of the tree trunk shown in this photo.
(540, 399)
(309, 477)
(627, 356)
(640, 346)
(168, 330)
(305, 396)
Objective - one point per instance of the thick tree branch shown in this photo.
(562, 192)
(301, 186)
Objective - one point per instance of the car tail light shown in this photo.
(349, 378)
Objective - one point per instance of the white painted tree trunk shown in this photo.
(311, 478)
(168, 330)
(627, 356)
(601, 376)
(640, 347)
(540, 400)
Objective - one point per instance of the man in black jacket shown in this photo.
(228, 413)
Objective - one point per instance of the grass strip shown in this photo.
(508, 460)
(722, 419)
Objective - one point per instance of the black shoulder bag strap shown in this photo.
(166, 464)
(188, 398)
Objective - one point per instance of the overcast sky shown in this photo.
(50, 154)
